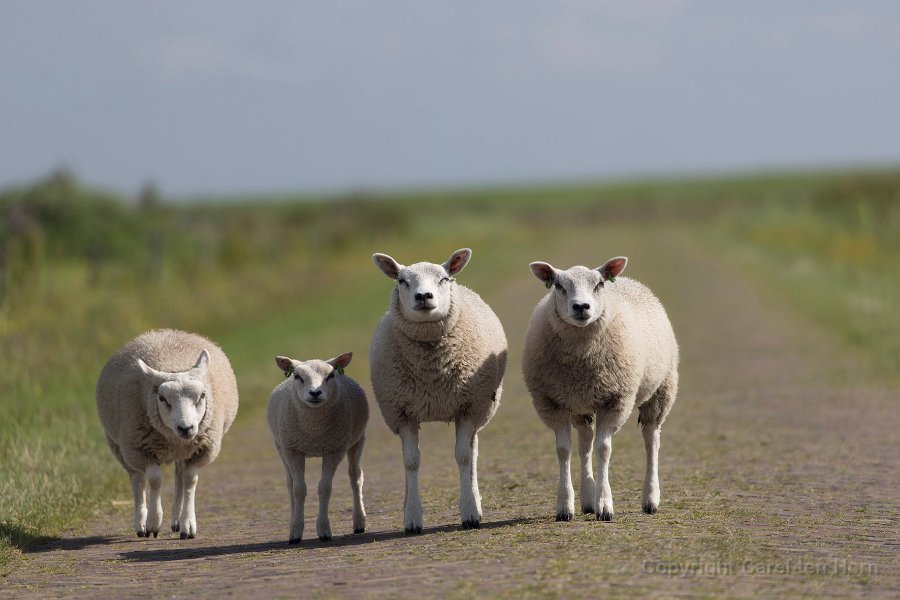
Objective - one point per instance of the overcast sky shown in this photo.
(209, 97)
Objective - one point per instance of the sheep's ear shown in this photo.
(156, 377)
(202, 363)
(544, 272)
(388, 265)
(284, 363)
(613, 267)
(340, 362)
(457, 261)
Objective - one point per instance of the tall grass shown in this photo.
(833, 249)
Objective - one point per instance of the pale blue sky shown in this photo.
(209, 97)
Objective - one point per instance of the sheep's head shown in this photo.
(181, 398)
(579, 292)
(425, 288)
(314, 382)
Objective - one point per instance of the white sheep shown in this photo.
(166, 396)
(597, 346)
(438, 354)
(319, 411)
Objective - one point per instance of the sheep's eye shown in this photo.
(163, 400)
(403, 281)
(298, 378)
(444, 280)
(203, 396)
(330, 375)
(559, 287)
(598, 286)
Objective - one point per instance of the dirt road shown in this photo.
(778, 468)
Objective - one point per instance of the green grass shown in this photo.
(253, 275)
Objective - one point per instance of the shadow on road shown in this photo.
(78, 543)
(313, 544)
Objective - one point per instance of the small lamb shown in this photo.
(597, 346)
(438, 354)
(166, 396)
(319, 411)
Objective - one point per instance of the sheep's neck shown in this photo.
(425, 332)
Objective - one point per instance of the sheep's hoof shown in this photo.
(564, 516)
(471, 524)
(295, 540)
(141, 534)
(324, 538)
(587, 510)
(604, 515)
(650, 508)
(412, 530)
(174, 527)
(155, 534)
(187, 536)
(359, 530)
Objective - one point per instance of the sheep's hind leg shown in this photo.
(412, 503)
(565, 494)
(467, 459)
(354, 468)
(588, 489)
(179, 495)
(330, 464)
(651, 416)
(154, 501)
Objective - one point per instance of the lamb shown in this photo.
(319, 411)
(596, 347)
(438, 354)
(166, 396)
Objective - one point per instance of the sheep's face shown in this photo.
(180, 398)
(314, 382)
(579, 293)
(424, 289)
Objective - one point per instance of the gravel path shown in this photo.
(778, 466)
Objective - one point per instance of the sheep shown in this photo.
(598, 345)
(438, 354)
(166, 396)
(319, 411)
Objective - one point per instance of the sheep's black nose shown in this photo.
(581, 307)
(185, 431)
(426, 296)
(315, 393)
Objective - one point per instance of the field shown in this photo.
(777, 463)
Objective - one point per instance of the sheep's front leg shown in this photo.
(138, 484)
(412, 504)
(154, 500)
(354, 457)
(179, 495)
(188, 519)
(467, 459)
(296, 466)
(603, 507)
(565, 494)
(330, 463)
(588, 489)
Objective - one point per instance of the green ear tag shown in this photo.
(289, 372)
(612, 279)
(340, 370)
(548, 284)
